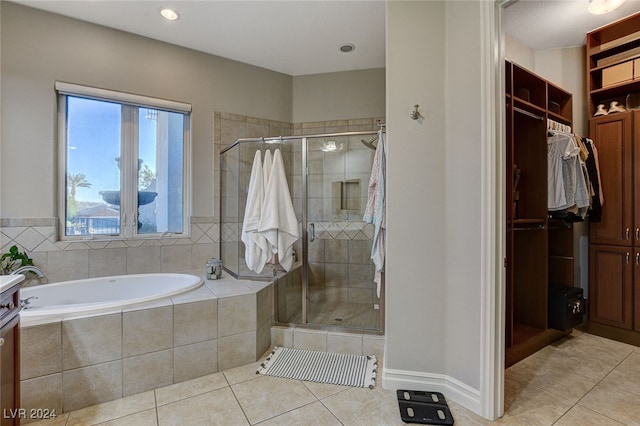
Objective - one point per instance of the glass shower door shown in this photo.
(340, 289)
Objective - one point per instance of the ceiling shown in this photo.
(549, 24)
(303, 37)
(292, 37)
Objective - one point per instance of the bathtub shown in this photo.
(100, 295)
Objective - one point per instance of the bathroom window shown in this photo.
(124, 164)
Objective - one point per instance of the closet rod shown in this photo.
(535, 228)
(525, 112)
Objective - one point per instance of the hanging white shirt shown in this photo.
(560, 147)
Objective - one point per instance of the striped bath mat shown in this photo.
(321, 367)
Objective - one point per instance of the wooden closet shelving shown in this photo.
(614, 241)
(614, 49)
(530, 264)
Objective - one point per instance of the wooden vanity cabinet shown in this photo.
(10, 356)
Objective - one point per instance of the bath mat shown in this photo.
(321, 367)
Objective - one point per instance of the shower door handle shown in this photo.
(312, 233)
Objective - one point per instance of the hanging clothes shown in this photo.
(278, 223)
(567, 182)
(559, 149)
(597, 199)
(375, 210)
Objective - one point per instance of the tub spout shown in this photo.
(28, 268)
(24, 303)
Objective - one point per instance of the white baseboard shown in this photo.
(454, 390)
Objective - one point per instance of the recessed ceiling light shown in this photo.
(169, 14)
(600, 7)
(347, 47)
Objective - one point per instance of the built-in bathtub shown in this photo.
(92, 296)
(77, 355)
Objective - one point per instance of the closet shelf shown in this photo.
(620, 45)
(616, 44)
(599, 68)
(621, 89)
(528, 105)
(560, 118)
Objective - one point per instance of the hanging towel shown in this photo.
(255, 255)
(278, 223)
(375, 210)
(266, 169)
(265, 246)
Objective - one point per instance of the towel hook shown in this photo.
(415, 115)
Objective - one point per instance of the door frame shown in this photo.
(493, 295)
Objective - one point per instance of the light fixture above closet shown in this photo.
(169, 14)
(600, 7)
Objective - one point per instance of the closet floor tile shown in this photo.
(579, 380)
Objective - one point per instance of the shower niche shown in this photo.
(331, 281)
(346, 196)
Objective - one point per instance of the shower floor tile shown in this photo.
(359, 316)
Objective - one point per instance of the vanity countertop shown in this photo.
(7, 281)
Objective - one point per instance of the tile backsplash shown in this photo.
(70, 260)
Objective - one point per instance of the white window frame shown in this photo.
(129, 148)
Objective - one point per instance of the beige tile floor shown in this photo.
(581, 380)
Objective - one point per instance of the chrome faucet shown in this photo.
(276, 270)
(24, 303)
(28, 268)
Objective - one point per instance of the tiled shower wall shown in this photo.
(340, 269)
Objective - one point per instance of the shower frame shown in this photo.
(305, 229)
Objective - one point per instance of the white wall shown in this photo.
(463, 176)
(339, 95)
(39, 48)
(433, 182)
(416, 239)
(517, 52)
(567, 68)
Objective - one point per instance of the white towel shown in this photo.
(254, 243)
(266, 172)
(266, 169)
(375, 210)
(278, 223)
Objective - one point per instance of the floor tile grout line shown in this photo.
(195, 394)
(591, 389)
(239, 403)
(285, 412)
(329, 409)
(155, 399)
